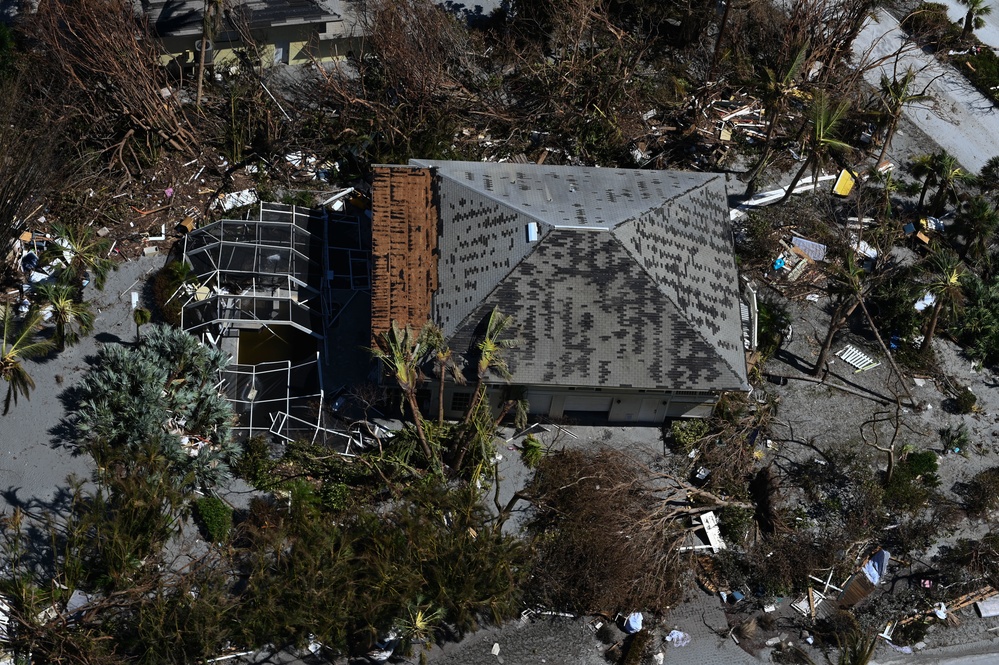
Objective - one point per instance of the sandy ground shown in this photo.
(35, 460)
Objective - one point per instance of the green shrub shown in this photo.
(255, 465)
(890, 304)
(982, 70)
(922, 463)
(774, 320)
(735, 523)
(165, 284)
(929, 25)
(977, 328)
(335, 496)
(965, 401)
(981, 495)
(215, 518)
(531, 452)
(955, 439)
(686, 433)
(912, 482)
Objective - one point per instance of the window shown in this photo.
(461, 401)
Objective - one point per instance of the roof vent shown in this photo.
(532, 232)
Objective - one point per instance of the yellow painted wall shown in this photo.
(299, 51)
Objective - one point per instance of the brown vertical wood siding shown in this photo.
(403, 247)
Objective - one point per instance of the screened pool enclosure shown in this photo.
(261, 292)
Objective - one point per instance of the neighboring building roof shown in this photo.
(613, 277)
(184, 17)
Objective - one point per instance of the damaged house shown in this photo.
(622, 284)
(271, 32)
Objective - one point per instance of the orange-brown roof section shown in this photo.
(403, 246)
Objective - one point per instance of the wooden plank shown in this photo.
(404, 247)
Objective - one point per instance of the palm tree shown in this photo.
(444, 363)
(776, 90)
(987, 181)
(824, 120)
(889, 186)
(491, 354)
(945, 270)
(80, 250)
(141, 316)
(947, 175)
(402, 351)
(18, 344)
(977, 223)
(71, 317)
(491, 359)
(895, 94)
(973, 18)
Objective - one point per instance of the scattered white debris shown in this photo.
(236, 200)
(633, 623)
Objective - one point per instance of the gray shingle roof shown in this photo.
(630, 283)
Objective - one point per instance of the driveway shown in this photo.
(957, 117)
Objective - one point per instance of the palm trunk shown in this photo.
(201, 72)
(440, 398)
(932, 328)
(887, 352)
(840, 316)
(892, 126)
(922, 194)
(418, 422)
(765, 157)
(474, 403)
(939, 200)
(795, 179)
(721, 37)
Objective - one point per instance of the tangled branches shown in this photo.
(107, 67)
(608, 529)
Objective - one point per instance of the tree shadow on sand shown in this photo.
(66, 433)
(42, 537)
(110, 338)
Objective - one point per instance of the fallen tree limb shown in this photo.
(822, 382)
